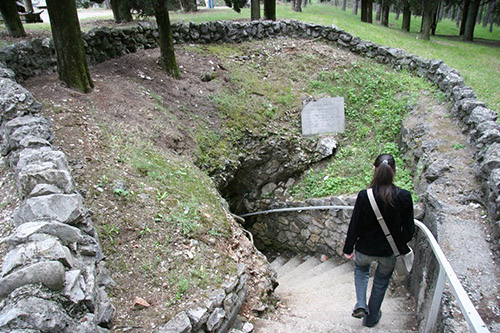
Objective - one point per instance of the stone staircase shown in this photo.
(319, 296)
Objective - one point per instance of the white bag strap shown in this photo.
(381, 220)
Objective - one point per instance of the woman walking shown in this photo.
(366, 242)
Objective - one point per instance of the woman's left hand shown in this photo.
(349, 256)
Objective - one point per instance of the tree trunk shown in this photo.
(11, 18)
(369, 12)
(304, 3)
(378, 12)
(115, 7)
(465, 13)
(441, 12)
(28, 5)
(297, 5)
(107, 4)
(71, 59)
(434, 23)
(167, 54)
(364, 10)
(255, 10)
(405, 26)
(355, 9)
(486, 17)
(188, 6)
(344, 5)
(398, 12)
(125, 11)
(270, 10)
(385, 13)
(492, 16)
(429, 9)
(471, 20)
(480, 14)
(458, 18)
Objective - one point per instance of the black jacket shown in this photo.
(365, 233)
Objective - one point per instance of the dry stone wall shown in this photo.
(307, 231)
(53, 277)
(54, 232)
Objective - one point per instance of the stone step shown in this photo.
(289, 265)
(333, 324)
(301, 271)
(278, 262)
(334, 273)
(319, 297)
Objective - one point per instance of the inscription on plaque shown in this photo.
(323, 116)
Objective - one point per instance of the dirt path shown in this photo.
(463, 228)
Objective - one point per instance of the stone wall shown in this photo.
(307, 231)
(219, 311)
(53, 277)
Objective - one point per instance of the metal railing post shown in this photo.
(436, 301)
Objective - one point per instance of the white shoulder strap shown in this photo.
(381, 220)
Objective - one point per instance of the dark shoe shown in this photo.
(359, 313)
(373, 324)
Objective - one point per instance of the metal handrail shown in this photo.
(474, 321)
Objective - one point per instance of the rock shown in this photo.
(179, 324)
(38, 314)
(326, 147)
(16, 130)
(215, 299)
(229, 302)
(64, 208)
(49, 273)
(215, 320)
(74, 286)
(42, 155)
(491, 159)
(247, 328)
(198, 316)
(437, 169)
(230, 285)
(105, 309)
(268, 189)
(140, 303)
(34, 175)
(36, 230)
(44, 189)
(16, 101)
(48, 249)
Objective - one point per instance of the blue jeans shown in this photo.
(381, 279)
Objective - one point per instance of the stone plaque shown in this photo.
(323, 116)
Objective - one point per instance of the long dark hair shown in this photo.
(385, 169)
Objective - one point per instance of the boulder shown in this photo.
(32, 231)
(179, 324)
(64, 208)
(42, 174)
(32, 313)
(16, 101)
(48, 249)
(49, 273)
